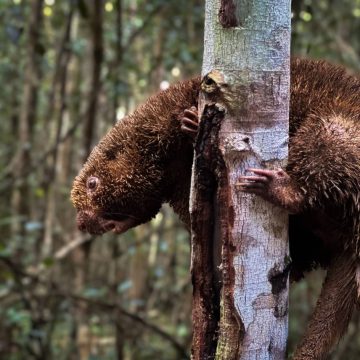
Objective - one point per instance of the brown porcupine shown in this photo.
(142, 162)
(145, 160)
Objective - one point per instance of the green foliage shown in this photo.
(327, 29)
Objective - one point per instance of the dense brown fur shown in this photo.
(324, 165)
(145, 161)
(333, 310)
(141, 163)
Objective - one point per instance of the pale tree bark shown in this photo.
(239, 244)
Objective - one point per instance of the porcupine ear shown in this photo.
(333, 309)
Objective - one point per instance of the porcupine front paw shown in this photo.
(190, 122)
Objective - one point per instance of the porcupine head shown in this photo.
(142, 162)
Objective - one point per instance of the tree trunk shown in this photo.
(239, 241)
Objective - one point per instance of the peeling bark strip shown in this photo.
(227, 14)
(205, 312)
(231, 328)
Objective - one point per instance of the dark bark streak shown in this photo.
(205, 297)
(278, 278)
(227, 14)
(211, 181)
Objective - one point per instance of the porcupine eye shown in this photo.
(92, 183)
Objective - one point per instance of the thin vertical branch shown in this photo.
(96, 30)
(20, 196)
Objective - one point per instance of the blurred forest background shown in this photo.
(68, 70)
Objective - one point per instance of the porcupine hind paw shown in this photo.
(275, 186)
